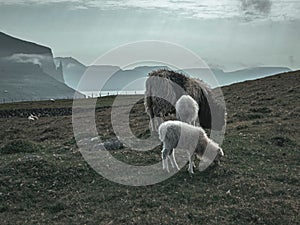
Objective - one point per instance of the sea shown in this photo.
(96, 94)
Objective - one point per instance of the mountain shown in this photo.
(133, 79)
(226, 78)
(17, 50)
(26, 81)
(96, 75)
(251, 74)
(28, 72)
(72, 70)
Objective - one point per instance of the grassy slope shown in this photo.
(257, 183)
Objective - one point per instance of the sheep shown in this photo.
(163, 89)
(32, 117)
(187, 109)
(180, 135)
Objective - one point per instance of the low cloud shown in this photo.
(71, 66)
(28, 58)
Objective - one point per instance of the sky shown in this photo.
(228, 34)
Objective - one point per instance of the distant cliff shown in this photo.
(16, 50)
(28, 72)
(73, 70)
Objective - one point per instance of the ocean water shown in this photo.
(95, 94)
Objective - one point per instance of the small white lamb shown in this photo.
(187, 109)
(32, 117)
(180, 135)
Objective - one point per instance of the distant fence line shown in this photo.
(87, 94)
(95, 94)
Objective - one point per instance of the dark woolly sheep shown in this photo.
(165, 87)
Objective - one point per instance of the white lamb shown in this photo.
(180, 135)
(32, 117)
(187, 109)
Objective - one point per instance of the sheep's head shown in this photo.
(213, 151)
(219, 155)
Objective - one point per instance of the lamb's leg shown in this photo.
(174, 160)
(171, 160)
(203, 163)
(190, 169)
(167, 165)
(164, 154)
(163, 159)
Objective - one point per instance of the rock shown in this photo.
(113, 144)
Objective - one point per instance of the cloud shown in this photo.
(71, 66)
(28, 58)
(204, 9)
(13, 2)
(256, 6)
(253, 9)
(78, 7)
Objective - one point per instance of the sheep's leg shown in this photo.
(171, 160)
(193, 160)
(167, 165)
(174, 160)
(152, 124)
(163, 160)
(164, 157)
(163, 164)
(157, 122)
(158, 119)
(190, 169)
(168, 170)
(203, 163)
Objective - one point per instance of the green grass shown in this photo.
(250, 186)
(256, 183)
(19, 146)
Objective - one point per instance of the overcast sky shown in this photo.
(229, 34)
